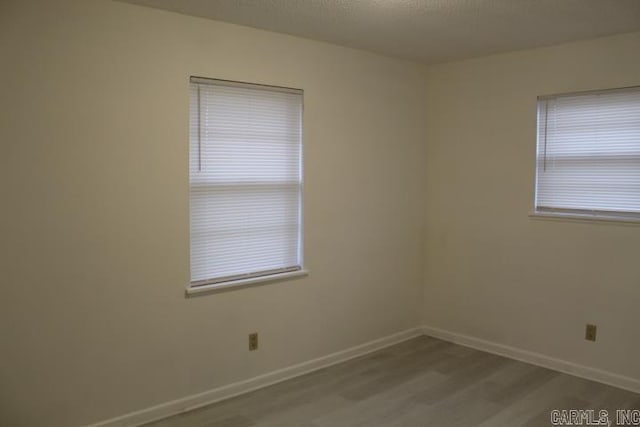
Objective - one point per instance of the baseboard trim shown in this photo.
(195, 401)
(537, 359)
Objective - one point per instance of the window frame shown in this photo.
(249, 278)
(580, 215)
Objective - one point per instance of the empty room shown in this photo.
(320, 213)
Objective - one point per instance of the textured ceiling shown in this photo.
(429, 31)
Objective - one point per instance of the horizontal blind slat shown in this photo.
(588, 155)
(245, 178)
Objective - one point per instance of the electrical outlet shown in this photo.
(590, 333)
(253, 341)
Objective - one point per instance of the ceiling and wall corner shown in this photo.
(428, 31)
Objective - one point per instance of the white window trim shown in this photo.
(302, 271)
(584, 216)
(243, 283)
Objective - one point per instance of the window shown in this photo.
(588, 159)
(245, 175)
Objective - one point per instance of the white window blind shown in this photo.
(588, 159)
(245, 169)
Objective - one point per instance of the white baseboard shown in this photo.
(215, 395)
(538, 359)
(225, 392)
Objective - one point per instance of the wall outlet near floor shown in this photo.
(590, 333)
(253, 341)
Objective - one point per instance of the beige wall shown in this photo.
(494, 273)
(93, 181)
(94, 189)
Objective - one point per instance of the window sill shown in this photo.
(243, 283)
(558, 216)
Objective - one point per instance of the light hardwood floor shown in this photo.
(421, 382)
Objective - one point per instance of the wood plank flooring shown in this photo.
(421, 382)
